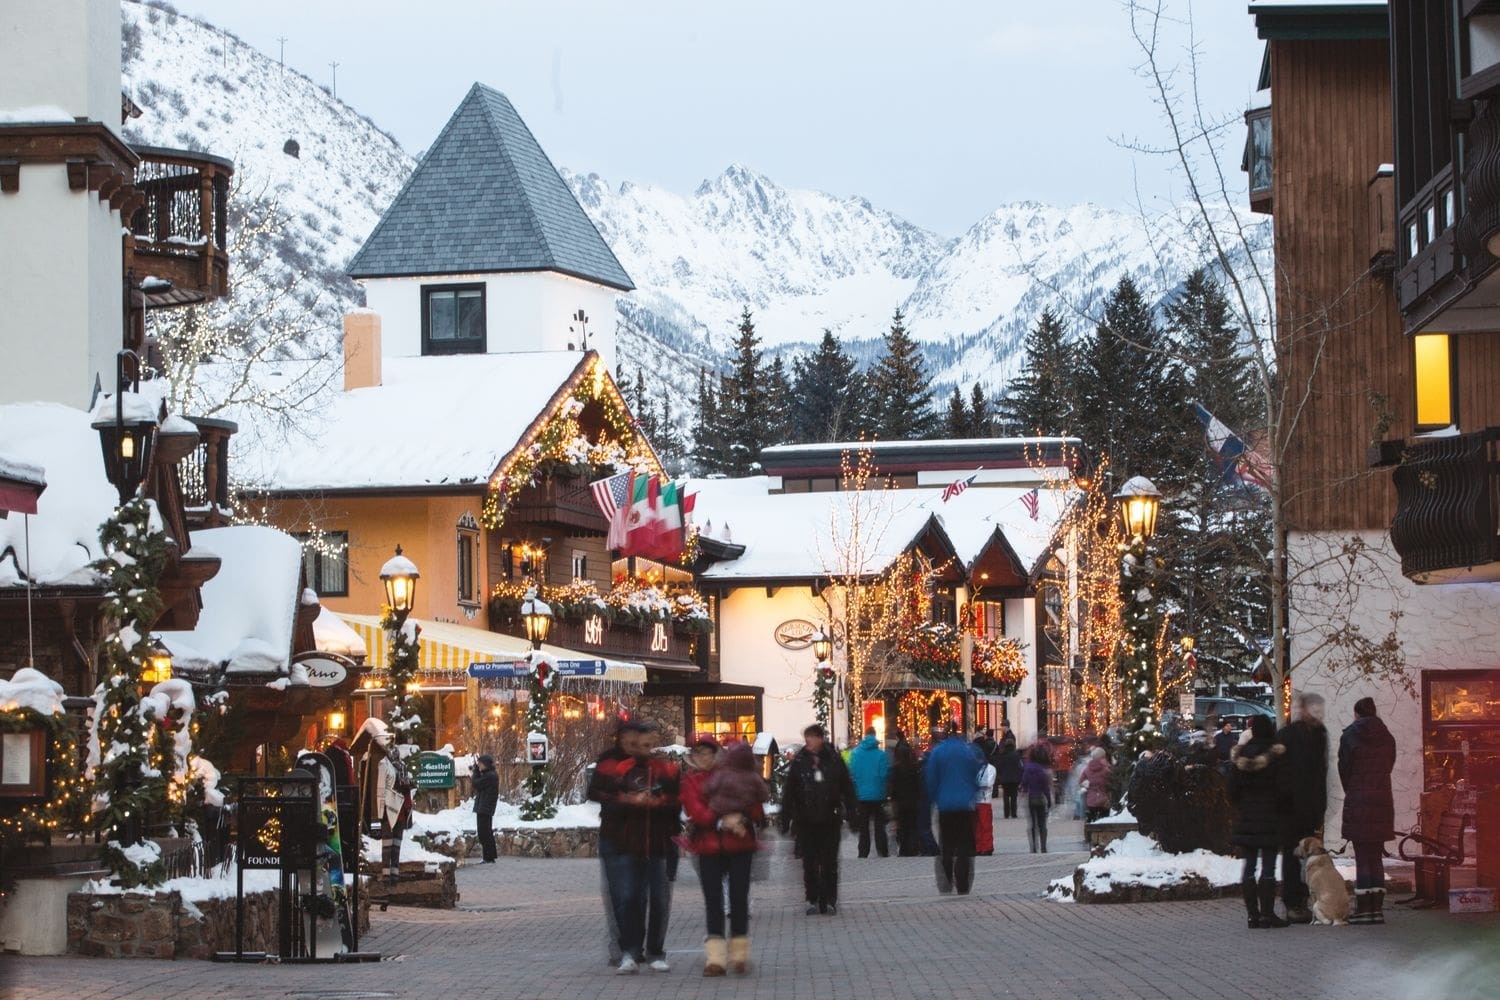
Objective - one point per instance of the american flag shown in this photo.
(956, 487)
(611, 496)
(1031, 501)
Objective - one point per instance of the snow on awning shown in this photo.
(447, 648)
(332, 634)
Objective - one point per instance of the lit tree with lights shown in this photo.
(1140, 570)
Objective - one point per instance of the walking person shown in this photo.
(1096, 779)
(1367, 753)
(609, 758)
(639, 802)
(984, 813)
(906, 794)
(1224, 743)
(925, 840)
(1008, 776)
(816, 802)
(870, 769)
(1036, 782)
(1254, 770)
(725, 808)
(486, 785)
(1302, 783)
(952, 775)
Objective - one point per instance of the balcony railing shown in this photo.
(180, 226)
(1448, 507)
(558, 501)
(664, 641)
(204, 475)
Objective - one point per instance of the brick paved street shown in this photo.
(533, 929)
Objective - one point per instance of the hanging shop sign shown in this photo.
(795, 634)
(520, 668)
(324, 671)
(434, 770)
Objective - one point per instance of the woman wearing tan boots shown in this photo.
(725, 809)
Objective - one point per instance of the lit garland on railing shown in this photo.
(558, 445)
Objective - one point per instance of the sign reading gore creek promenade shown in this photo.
(520, 668)
(434, 770)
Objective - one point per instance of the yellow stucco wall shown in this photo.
(426, 528)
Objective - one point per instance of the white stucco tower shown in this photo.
(65, 176)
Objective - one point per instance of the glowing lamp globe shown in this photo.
(1138, 502)
(399, 574)
(822, 646)
(537, 616)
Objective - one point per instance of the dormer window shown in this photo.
(453, 319)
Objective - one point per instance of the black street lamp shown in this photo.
(127, 444)
(399, 574)
(1138, 502)
(537, 615)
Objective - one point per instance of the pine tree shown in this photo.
(778, 406)
(710, 455)
(900, 390)
(827, 391)
(1040, 400)
(981, 417)
(958, 422)
(742, 401)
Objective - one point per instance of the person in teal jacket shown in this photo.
(870, 768)
(952, 776)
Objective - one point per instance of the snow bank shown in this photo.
(1121, 818)
(33, 114)
(249, 606)
(450, 824)
(194, 888)
(28, 688)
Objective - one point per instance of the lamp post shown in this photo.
(400, 575)
(823, 679)
(127, 444)
(1138, 503)
(537, 616)
(158, 666)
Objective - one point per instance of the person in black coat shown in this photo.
(486, 784)
(1302, 783)
(1367, 754)
(817, 800)
(1257, 827)
(906, 796)
(1008, 776)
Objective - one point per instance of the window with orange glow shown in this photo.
(1433, 364)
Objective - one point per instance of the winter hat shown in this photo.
(486, 760)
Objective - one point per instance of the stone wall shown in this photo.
(664, 711)
(162, 925)
(556, 842)
(415, 886)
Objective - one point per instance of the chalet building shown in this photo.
(1385, 267)
(477, 404)
(779, 554)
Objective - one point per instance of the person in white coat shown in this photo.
(393, 805)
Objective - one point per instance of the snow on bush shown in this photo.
(1136, 859)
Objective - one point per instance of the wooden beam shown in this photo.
(10, 176)
(78, 175)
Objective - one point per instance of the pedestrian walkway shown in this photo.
(532, 929)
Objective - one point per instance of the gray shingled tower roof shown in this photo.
(485, 198)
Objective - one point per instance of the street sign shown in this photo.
(434, 770)
(520, 668)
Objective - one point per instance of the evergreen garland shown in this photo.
(823, 681)
(1138, 570)
(66, 806)
(127, 789)
(405, 715)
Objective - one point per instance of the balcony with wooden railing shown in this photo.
(204, 474)
(557, 501)
(179, 228)
(1447, 507)
(660, 642)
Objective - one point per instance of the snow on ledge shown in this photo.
(34, 114)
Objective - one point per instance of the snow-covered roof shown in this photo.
(249, 607)
(435, 421)
(29, 688)
(803, 535)
(939, 444)
(333, 635)
(22, 472)
(65, 529)
(792, 535)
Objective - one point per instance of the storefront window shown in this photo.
(725, 717)
(442, 716)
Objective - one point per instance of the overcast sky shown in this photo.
(939, 110)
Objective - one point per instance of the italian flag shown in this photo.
(655, 519)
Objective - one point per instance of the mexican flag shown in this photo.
(643, 517)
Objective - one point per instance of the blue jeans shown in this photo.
(712, 869)
(642, 901)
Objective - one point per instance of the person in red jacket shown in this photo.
(724, 809)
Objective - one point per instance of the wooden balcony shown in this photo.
(1447, 507)
(179, 227)
(558, 502)
(663, 643)
(204, 474)
(1256, 161)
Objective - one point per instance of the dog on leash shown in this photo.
(1326, 890)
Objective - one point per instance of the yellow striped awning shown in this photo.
(444, 647)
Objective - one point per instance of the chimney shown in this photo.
(361, 349)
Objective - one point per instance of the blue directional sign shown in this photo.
(520, 668)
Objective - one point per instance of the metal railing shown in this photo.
(1448, 503)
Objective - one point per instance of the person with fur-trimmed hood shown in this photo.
(1302, 783)
(1253, 772)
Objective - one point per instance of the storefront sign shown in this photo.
(795, 634)
(323, 672)
(520, 668)
(593, 631)
(659, 641)
(434, 770)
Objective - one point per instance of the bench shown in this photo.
(1437, 855)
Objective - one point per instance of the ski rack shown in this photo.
(278, 830)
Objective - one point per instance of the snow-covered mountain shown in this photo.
(801, 260)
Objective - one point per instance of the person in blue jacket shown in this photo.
(952, 776)
(870, 768)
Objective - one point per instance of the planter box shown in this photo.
(164, 925)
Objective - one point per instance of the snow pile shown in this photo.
(1121, 818)
(196, 888)
(35, 113)
(1135, 859)
(249, 606)
(448, 825)
(411, 851)
(65, 529)
(29, 688)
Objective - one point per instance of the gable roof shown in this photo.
(485, 199)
